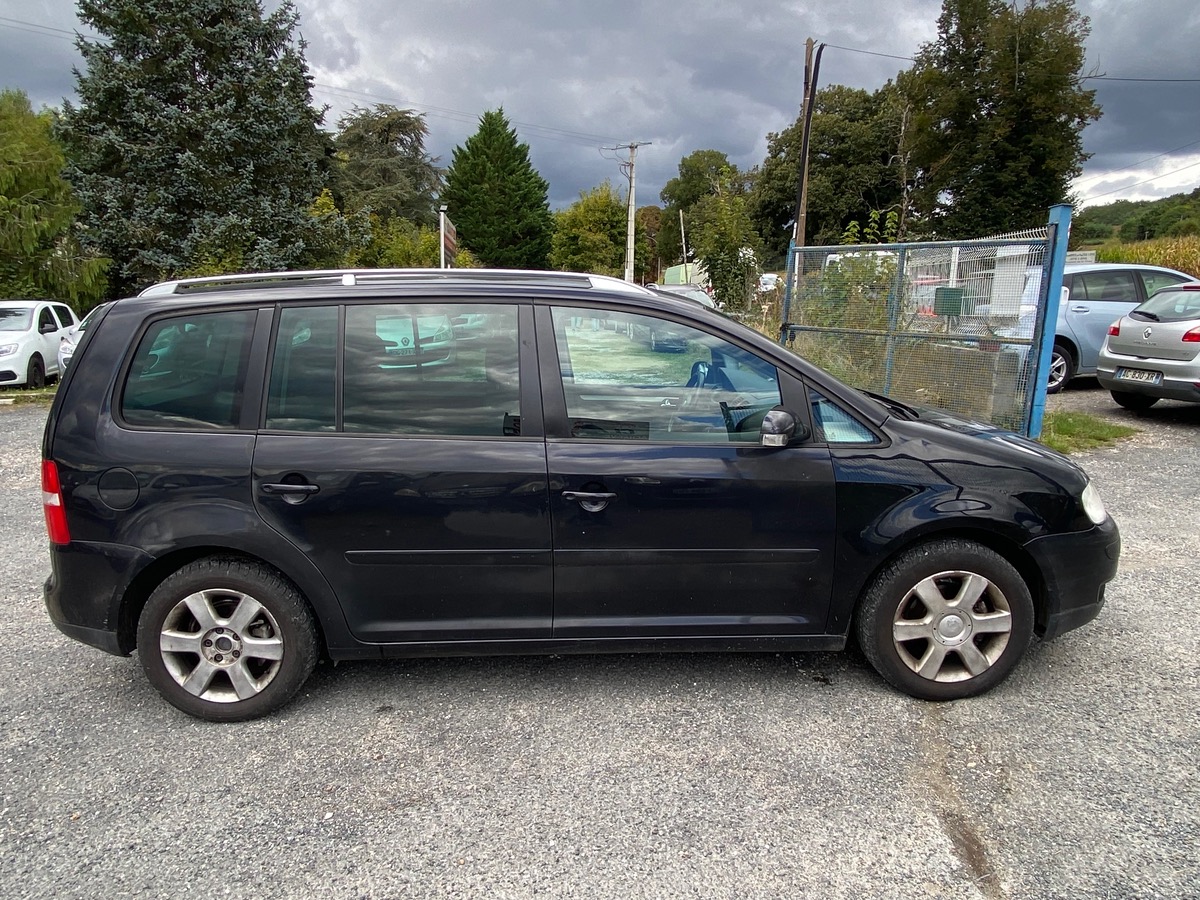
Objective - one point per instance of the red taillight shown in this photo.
(52, 504)
(1192, 337)
(1115, 328)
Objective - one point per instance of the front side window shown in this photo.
(189, 372)
(46, 321)
(431, 369)
(637, 377)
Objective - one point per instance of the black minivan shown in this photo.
(244, 474)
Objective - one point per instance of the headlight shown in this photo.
(1093, 505)
(8, 349)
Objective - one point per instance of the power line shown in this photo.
(1135, 165)
(1138, 183)
(869, 52)
(1147, 80)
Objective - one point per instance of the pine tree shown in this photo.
(383, 164)
(194, 146)
(497, 200)
(38, 256)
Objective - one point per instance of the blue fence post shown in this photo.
(1060, 234)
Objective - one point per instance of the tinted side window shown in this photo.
(430, 369)
(65, 317)
(1118, 286)
(1154, 281)
(634, 377)
(303, 391)
(189, 372)
(45, 317)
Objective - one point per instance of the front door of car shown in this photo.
(419, 486)
(669, 517)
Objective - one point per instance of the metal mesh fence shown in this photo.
(951, 325)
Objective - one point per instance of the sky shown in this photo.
(577, 78)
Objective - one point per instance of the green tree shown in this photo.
(700, 173)
(854, 167)
(497, 200)
(726, 242)
(194, 139)
(38, 255)
(383, 165)
(589, 235)
(999, 114)
(648, 222)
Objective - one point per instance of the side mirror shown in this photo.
(779, 428)
(48, 328)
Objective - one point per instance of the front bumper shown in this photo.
(1075, 568)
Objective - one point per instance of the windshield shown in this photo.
(87, 320)
(15, 319)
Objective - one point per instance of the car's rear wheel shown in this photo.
(227, 639)
(1136, 402)
(946, 619)
(1062, 368)
(35, 376)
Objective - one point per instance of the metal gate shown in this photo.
(965, 326)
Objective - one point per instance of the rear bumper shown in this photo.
(1179, 378)
(85, 590)
(1075, 568)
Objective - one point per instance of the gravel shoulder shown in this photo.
(628, 776)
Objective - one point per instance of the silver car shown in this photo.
(1153, 352)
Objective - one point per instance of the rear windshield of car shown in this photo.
(15, 318)
(1171, 306)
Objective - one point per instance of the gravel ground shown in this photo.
(628, 776)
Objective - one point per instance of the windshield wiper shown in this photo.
(894, 405)
(1145, 315)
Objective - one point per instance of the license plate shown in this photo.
(1139, 375)
(404, 351)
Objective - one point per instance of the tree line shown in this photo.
(195, 148)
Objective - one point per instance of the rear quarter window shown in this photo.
(189, 372)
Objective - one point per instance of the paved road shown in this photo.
(633, 776)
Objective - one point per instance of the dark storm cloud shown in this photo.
(575, 76)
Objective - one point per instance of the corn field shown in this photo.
(1182, 253)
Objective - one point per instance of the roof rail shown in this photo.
(352, 277)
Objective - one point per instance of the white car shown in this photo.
(30, 332)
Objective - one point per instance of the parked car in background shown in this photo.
(237, 480)
(1094, 294)
(30, 332)
(66, 346)
(1153, 353)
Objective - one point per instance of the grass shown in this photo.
(22, 395)
(1073, 432)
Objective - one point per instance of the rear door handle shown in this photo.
(291, 493)
(592, 501)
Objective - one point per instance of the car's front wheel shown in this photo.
(946, 619)
(227, 639)
(35, 376)
(1135, 402)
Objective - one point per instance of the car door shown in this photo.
(669, 518)
(1096, 300)
(416, 480)
(66, 321)
(46, 338)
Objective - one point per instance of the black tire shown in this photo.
(1135, 402)
(1062, 368)
(923, 651)
(35, 376)
(241, 669)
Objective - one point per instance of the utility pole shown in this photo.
(812, 69)
(627, 168)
